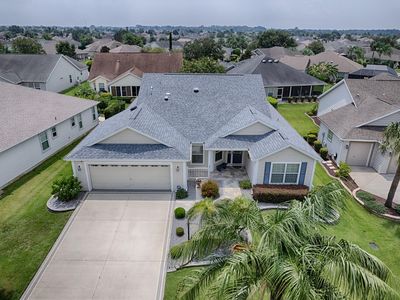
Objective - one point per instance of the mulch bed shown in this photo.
(378, 199)
(348, 182)
(316, 120)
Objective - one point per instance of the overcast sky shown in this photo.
(338, 14)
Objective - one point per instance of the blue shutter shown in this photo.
(267, 170)
(303, 170)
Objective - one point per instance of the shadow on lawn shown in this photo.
(6, 294)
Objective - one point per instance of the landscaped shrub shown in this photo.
(181, 193)
(371, 203)
(279, 193)
(314, 110)
(209, 189)
(66, 188)
(245, 184)
(344, 170)
(273, 101)
(105, 96)
(113, 108)
(85, 91)
(180, 231)
(180, 213)
(324, 153)
(317, 145)
(314, 132)
(311, 138)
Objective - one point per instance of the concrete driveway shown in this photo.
(115, 247)
(371, 181)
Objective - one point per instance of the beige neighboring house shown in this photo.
(345, 66)
(36, 124)
(354, 114)
(121, 73)
(126, 49)
(96, 46)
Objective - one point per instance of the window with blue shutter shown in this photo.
(303, 170)
(267, 171)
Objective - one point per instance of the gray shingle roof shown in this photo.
(274, 73)
(222, 105)
(17, 68)
(374, 99)
(26, 112)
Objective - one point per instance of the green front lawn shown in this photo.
(355, 225)
(27, 229)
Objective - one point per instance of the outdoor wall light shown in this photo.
(347, 146)
(79, 168)
(177, 168)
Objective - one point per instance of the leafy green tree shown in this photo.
(316, 47)
(47, 36)
(205, 47)
(24, 45)
(246, 54)
(324, 71)
(356, 53)
(66, 48)
(89, 63)
(391, 142)
(132, 39)
(2, 48)
(308, 51)
(274, 37)
(202, 65)
(280, 254)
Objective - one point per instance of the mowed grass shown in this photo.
(27, 229)
(72, 90)
(355, 225)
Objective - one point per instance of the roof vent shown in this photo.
(264, 61)
(270, 61)
(196, 90)
(166, 98)
(276, 60)
(133, 108)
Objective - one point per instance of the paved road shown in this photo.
(114, 248)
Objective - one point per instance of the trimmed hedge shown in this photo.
(317, 145)
(273, 101)
(273, 193)
(180, 213)
(181, 193)
(180, 231)
(324, 153)
(311, 138)
(245, 184)
(209, 189)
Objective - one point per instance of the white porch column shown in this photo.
(211, 163)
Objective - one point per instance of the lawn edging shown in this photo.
(50, 255)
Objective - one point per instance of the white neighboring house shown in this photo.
(353, 116)
(49, 72)
(187, 126)
(121, 73)
(36, 124)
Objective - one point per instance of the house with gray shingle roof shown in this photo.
(188, 126)
(353, 116)
(48, 72)
(36, 124)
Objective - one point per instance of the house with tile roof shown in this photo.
(121, 73)
(36, 124)
(183, 127)
(280, 80)
(49, 72)
(353, 116)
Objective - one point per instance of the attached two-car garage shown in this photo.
(130, 177)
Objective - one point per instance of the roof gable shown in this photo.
(128, 136)
(257, 128)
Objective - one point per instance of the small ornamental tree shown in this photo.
(66, 188)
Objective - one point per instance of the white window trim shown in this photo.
(51, 130)
(284, 174)
(80, 120)
(70, 120)
(191, 158)
(330, 132)
(41, 143)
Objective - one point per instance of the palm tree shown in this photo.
(381, 47)
(281, 254)
(391, 142)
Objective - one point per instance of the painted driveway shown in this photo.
(114, 248)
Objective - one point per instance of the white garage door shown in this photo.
(393, 165)
(358, 153)
(130, 177)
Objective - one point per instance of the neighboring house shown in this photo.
(344, 65)
(36, 124)
(50, 72)
(121, 73)
(96, 46)
(280, 80)
(164, 44)
(372, 71)
(49, 46)
(126, 49)
(183, 126)
(354, 114)
(276, 52)
(393, 57)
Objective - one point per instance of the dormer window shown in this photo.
(197, 154)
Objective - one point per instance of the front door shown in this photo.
(235, 158)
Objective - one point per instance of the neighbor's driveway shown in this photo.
(114, 248)
(371, 181)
